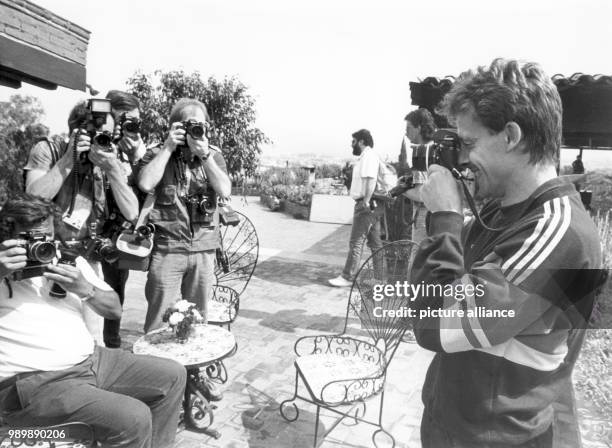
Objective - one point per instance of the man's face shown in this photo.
(44, 227)
(356, 148)
(484, 152)
(413, 133)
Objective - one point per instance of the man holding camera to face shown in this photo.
(51, 370)
(532, 254)
(187, 176)
(81, 177)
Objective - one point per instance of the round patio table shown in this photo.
(205, 349)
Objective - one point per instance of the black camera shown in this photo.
(443, 151)
(100, 249)
(202, 208)
(67, 258)
(145, 231)
(39, 252)
(129, 124)
(97, 112)
(404, 184)
(196, 129)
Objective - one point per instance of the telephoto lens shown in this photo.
(104, 140)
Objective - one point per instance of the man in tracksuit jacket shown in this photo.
(494, 379)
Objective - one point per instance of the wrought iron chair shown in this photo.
(237, 258)
(350, 367)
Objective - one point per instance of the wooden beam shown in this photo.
(38, 67)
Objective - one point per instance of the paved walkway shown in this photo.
(288, 298)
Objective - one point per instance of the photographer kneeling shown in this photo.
(187, 175)
(533, 250)
(51, 371)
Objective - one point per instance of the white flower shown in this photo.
(182, 305)
(196, 314)
(175, 318)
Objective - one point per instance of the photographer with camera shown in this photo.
(51, 370)
(367, 214)
(125, 109)
(528, 263)
(420, 128)
(80, 177)
(187, 176)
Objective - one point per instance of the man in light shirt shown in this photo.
(51, 371)
(366, 217)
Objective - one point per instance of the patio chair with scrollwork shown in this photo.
(351, 367)
(235, 264)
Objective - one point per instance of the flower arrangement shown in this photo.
(180, 317)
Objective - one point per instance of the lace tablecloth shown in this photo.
(208, 343)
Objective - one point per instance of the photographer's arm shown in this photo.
(414, 194)
(83, 281)
(218, 177)
(368, 186)
(151, 174)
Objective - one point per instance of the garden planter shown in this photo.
(297, 210)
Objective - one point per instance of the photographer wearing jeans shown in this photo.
(125, 109)
(366, 217)
(531, 255)
(187, 176)
(51, 370)
(80, 177)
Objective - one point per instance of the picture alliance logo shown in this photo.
(411, 291)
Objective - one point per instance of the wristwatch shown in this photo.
(89, 295)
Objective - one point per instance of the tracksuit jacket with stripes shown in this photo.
(494, 379)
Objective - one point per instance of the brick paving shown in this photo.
(288, 298)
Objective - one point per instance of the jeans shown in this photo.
(435, 436)
(366, 225)
(116, 278)
(129, 400)
(174, 276)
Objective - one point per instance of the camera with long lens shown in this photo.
(67, 258)
(40, 251)
(129, 124)
(100, 249)
(98, 110)
(222, 260)
(443, 151)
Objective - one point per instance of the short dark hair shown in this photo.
(178, 111)
(25, 210)
(509, 90)
(423, 118)
(78, 114)
(365, 136)
(122, 100)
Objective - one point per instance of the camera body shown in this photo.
(39, 252)
(202, 207)
(129, 124)
(100, 248)
(443, 151)
(97, 111)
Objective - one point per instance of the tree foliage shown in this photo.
(20, 128)
(230, 106)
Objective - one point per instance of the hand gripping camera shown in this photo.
(443, 151)
(68, 258)
(39, 252)
(197, 130)
(129, 124)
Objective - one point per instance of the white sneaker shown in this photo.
(339, 282)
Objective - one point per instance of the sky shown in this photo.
(322, 69)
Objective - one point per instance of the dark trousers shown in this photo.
(435, 436)
(129, 400)
(116, 278)
(366, 227)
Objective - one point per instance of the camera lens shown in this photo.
(42, 251)
(196, 131)
(103, 139)
(108, 253)
(131, 126)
